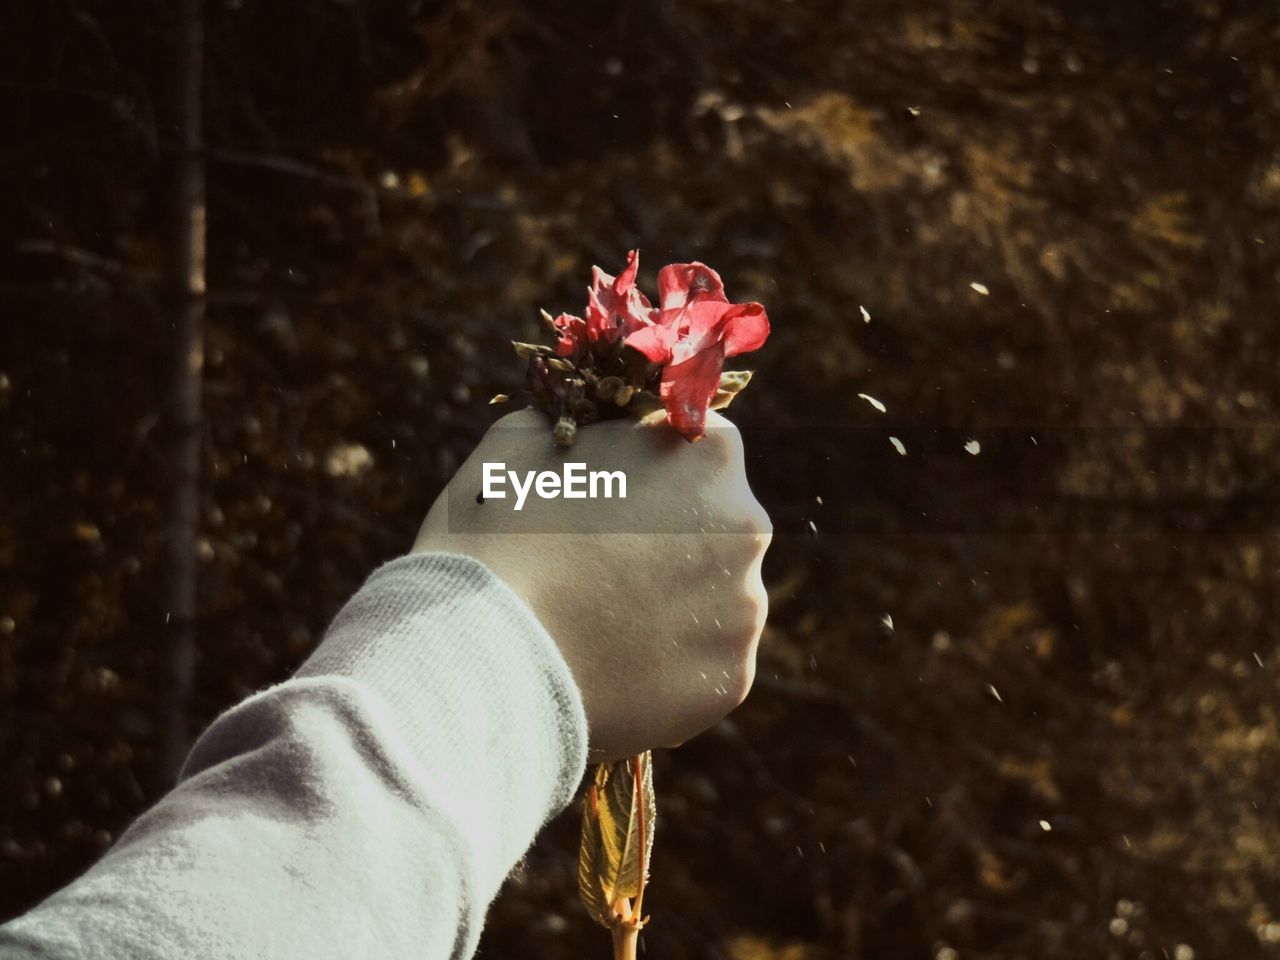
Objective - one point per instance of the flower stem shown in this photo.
(625, 936)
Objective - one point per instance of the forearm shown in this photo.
(371, 806)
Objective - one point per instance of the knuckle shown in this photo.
(758, 607)
(757, 533)
(752, 610)
(723, 439)
(759, 523)
(744, 677)
(748, 679)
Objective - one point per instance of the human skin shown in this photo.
(655, 601)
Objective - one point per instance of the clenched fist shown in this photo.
(655, 599)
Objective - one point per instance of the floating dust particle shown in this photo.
(348, 460)
(980, 288)
(873, 401)
(866, 314)
(973, 447)
(993, 693)
(1046, 826)
(898, 445)
(887, 620)
(87, 532)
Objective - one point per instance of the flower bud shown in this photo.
(585, 411)
(731, 384)
(607, 388)
(539, 378)
(565, 432)
(527, 350)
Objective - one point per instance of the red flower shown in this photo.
(691, 334)
(616, 307)
(571, 335)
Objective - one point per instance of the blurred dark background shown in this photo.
(1062, 219)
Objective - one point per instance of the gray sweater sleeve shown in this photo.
(370, 806)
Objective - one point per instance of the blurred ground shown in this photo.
(1068, 743)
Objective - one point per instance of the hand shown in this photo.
(655, 600)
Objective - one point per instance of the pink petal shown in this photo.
(698, 324)
(746, 329)
(687, 389)
(572, 334)
(681, 283)
(627, 278)
(654, 341)
(615, 306)
(599, 319)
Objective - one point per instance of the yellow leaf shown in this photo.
(732, 383)
(618, 817)
(526, 350)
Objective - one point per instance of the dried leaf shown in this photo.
(618, 818)
(526, 350)
(732, 382)
(607, 387)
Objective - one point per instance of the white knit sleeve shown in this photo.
(370, 806)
